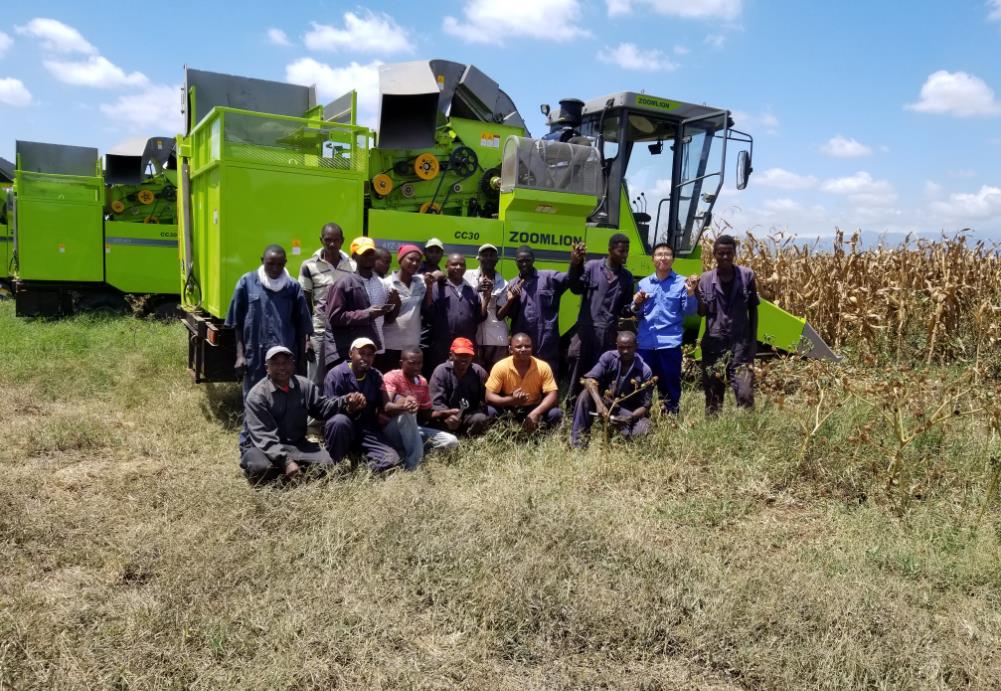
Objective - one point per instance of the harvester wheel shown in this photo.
(117, 206)
(429, 208)
(426, 166)
(146, 196)
(382, 184)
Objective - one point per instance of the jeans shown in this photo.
(666, 365)
(406, 435)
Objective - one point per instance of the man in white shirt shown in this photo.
(492, 335)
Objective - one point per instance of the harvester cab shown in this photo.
(676, 151)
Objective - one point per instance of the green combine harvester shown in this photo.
(85, 238)
(262, 163)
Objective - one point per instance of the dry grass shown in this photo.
(758, 550)
(925, 301)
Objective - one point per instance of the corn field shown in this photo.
(935, 302)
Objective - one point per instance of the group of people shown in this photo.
(404, 362)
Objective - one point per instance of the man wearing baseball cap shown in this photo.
(434, 250)
(275, 413)
(360, 430)
(492, 333)
(458, 394)
(351, 311)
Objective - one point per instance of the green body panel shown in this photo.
(141, 257)
(391, 229)
(6, 241)
(60, 221)
(263, 179)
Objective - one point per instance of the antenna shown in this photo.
(643, 195)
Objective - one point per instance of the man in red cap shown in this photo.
(402, 329)
(457, 391)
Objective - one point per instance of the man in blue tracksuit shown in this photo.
(663, 301)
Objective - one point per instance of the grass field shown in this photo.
(799, 546)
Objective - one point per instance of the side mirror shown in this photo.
(544, 109)
(744, 169)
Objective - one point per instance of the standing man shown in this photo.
(524, 387)
(411, 414)
(663, 301)
(434, 250)
(359, 429)
(728, 299)
(276, 410)
(378, 294)
(454, 310)
(351, 313)
(533, 303)
(383, 260)
(614, 389)
(316, 276)
(402, 328)
(492, 334)
(606, 288)
(268, 309)
(458, 393)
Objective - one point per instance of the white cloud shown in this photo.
(863, 190)
(681, 50)
(748, 122)
(278, 37)
(715, 40)
(702, 9)
(56, 37)
(994, 7)
(156, 108)
(629, 57)
(980, 205)
(784, 180)
(14, 93)
(366, 33)
(956, 93)
(845, 147)
(932, 189)
(332, 82)
(961, 173)
(96, 71)
(781, 205)
(5, 43)
(487, 21)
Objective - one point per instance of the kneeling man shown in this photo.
(276, 410)
(619, 375)
(523, 387)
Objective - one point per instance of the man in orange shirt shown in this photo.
(523, 387)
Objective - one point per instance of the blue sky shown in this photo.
(880, 115)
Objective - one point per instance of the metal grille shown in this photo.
(292, 143)
(57, 188)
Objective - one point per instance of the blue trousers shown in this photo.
(666, 365)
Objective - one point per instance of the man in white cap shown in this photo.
(492, 333)
(434, 251)
(275, 420)
(360, 429)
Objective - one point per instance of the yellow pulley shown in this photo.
(382, 184)
(427, 166)
(429, 208)
(151, 219)
(117, 206)
(146, 196)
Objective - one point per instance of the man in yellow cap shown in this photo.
(351, 311)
